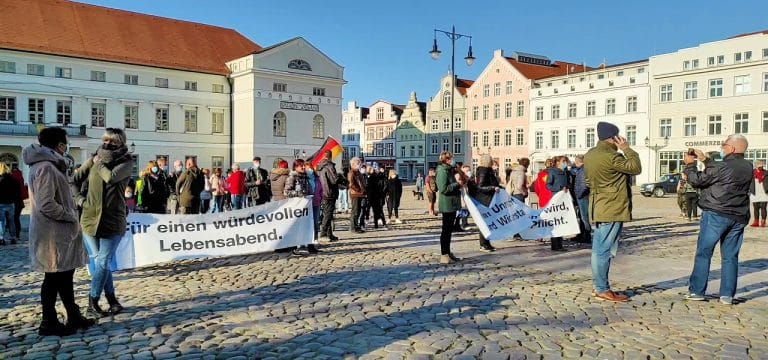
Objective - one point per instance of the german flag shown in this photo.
(329, 144)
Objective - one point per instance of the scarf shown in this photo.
(759, 175)
(110, 158)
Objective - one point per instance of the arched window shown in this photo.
(447, 100)
(278, 124)
(318, 126)
(299, 64)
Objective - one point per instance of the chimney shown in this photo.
(498, 53)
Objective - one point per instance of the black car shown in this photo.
(667, 184)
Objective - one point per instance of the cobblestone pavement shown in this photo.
(382, 295)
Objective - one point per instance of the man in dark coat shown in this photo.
(326, 170)
(189, 185)
(257, 183)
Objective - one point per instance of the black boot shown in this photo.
(114, 306)
(77, 321)
(54, 328)
(94, 309)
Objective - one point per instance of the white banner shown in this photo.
(506, 216)
(152, 239)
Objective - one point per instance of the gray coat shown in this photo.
(55, 241)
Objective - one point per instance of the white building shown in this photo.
(565, 111)
(173, 98)
(702, 94)
(411, 139)
(352, 130)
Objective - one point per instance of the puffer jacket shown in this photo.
(517, 184)
(278, 177)
(297, 185)
(607, 173)
(326, 171)
(724, 186)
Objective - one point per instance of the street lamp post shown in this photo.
(469, 59)
(656, 148)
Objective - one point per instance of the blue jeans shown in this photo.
(6, 217)
(584, 211)
(101, 256)
(730, 234)
(316, 212)
(605, 245)
(237, 202)
(218, 204)
(342, 204)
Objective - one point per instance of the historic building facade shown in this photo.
(702, 94)
(498, 105)
(379, 140)
(438, 127)
(352, 130)
(411, 139)
(565, 111)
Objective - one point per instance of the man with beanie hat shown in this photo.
(607, 168)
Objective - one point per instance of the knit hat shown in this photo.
(606, 130)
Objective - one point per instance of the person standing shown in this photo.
(607, 172)
(10, 194)
(236, 186)
(431, 188)
(299, 184)
(449, 184)
(394, 193)
(758, 191)
(170, 183)
(370, 188)
(357, 194)
(277, 179)
(419, 187)
(377, 194)
(540, 184)
(189, 185)
(55, 244)
(486, 188)
(106, 176)
(257, 183)
(342, 205)
(153, 190)
(217, 191)
(206, 196)
(517, 181)
(326, 170)
(16, 173)
(557, 181)
(690, 195)
(724, 187)
(581, 194)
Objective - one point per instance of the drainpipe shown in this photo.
(231, 122)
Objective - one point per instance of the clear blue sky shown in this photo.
(383, 45)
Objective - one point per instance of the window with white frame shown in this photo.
(508, 110)
(691, 90)
(665, 128)
(554, 139)
(457, 123)
(217, 88)
(131, 116)
(507, 163)
(632, 104)
(715, 125)
(62, 72)
(37, 111)
(190, 85)
(318, 91)
(590, 137)
(7, 108)
(279, 122)
(379, 132)
(721, 60)
(687, 65)
(100, 76)
(161, 82)
(380, 114)
(475, 139)
(8, 67)
(765, 121)
(98, 115)
(539, 140)
(446, 144)
(475, 112)
(520, 108)
(496, 110)
(610, 106)
(496, 89)
(485, 111)
(539, 113)
(555, 112)
(665, 93)
(572, 110)
(765, 53)
(510, 86)
(35, 69)
(497, 137)
(434, 146)
(710, 61)
(742, 85)
(591, 107)
(217, 122)
(217, 161)
(486, 138)
(741, 123)
(520, 137)
(390, 149)
(318, 127)
(715, 87)
(446, 124)
(571, 139)
(747, 55)
(737, 57)
(632, 135)
(64, 112)
(280, 87)
(402, 151)
(413, 150)
(765, 82)
(447, 100)
(689, 125)
(507, 137)
(435, 125)
(161, 119)
(486, 90)
(130, 79)
(457, 148)
(695, 63)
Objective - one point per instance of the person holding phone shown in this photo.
(607, 170)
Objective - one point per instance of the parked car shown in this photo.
(667, 184)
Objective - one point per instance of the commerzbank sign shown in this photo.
(288, 105)
(704, 143)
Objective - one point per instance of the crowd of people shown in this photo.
(78, 213)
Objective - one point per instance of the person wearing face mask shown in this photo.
(301, 184)
(558, 180)
(55, 244)
(257, 183)
(154, 194)
(104, 213)
(758, 191)
(170, 183)
(724, 198)
(607, 170)
(486, 188)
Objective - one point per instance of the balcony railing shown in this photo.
(34, 129)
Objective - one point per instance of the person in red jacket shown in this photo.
(16, 173)
(540, 185)
(236, 182)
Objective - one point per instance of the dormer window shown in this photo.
(299, 64)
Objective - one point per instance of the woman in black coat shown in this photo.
(487, 186)
(394, 193)
(154, 193)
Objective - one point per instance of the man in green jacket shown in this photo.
(607, 168)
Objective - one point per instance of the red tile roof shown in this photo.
(535, 72)
(462, 85)
(61, 27)
(748, 34)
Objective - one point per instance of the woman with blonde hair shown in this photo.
(154, 193)
(449, 185)
(394, 193)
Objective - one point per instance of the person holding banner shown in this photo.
(449, 185)
(517, 181)
(558, 180)
(607, 169)
(299, 185)
(540, 185)
(487, 186)
(277, 179)
(104, 213)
